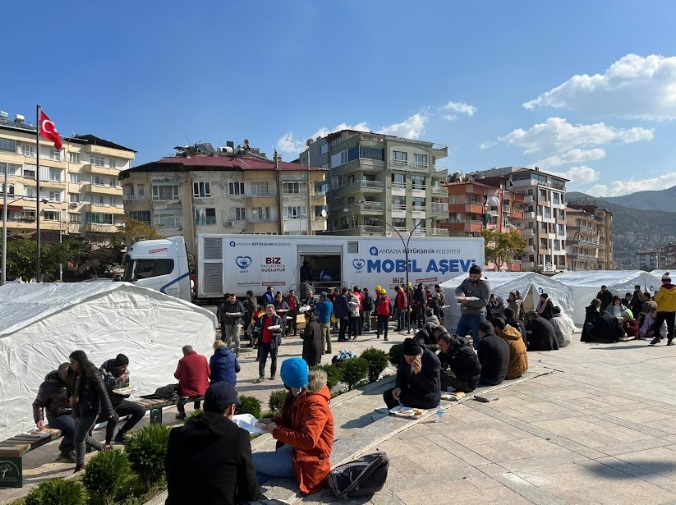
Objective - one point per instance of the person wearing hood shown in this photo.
(305, 430)
(115, 374)
(472, 295)
(513, 320)
(53, 399)
(495, 306)
(518, 354)
(563, 326)
(223, 365)
(209, 459)
(417, 384)
(540, 333)
(666, 310)
(460, 367)
(544, 307)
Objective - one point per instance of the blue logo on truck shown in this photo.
(232, 243)
(373, 251)
(441, 266)
(358, 264)
(243, 262)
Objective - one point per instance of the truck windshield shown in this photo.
(144, 269)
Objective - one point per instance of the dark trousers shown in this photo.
(263, 351)
(354, 327)
(662, 316)
(292, 323)
(81, 438)
(448, 381)
(367, 320)
(126, 408)
(344, 323)
(420, 314)
(401, 319)
(180, 406)
(66, 424)
(409, 399)
(383, 323)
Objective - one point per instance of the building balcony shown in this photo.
(103, 209)
(527, 232)
(98, 228)
(516, 215)
(363, 186)
(261, 201)
(437, 232)
(99, 170)
(371, 208)
(102, 189)
(440, 209)
(439, 190)
(50, 183)
(135, 197)
(471, 226)
(467, 208)
(359, 165)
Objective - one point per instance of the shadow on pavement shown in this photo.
(626, 470)
(620, 346)
(363, 420)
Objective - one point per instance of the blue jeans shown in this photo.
(66, 424)
(82, 427)
(401, 319)
(469, 323)
(275, 464)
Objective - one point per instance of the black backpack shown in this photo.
(361, 477)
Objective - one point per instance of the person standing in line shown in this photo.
(383, 311)
(353, 303)
(268, 331)
(401, 307)
(231, 314)
(313, 341)
(324, 312)
(193, 374)
(666, 310)
(341, 309)
(472, 294)
(293, 303)
(368, 309)
(88, 396)
(282, 309)
(419, 304)
(250, 308)
(356, 291)
(223, 365)
(268, 296)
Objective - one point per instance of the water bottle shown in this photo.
(440, 413)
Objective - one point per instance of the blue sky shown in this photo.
(579, 88)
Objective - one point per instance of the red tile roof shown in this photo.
(241, 162)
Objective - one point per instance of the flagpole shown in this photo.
(4, 230)
(37, 179)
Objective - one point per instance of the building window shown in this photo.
(260, 189)
(339, 159)
(74, 217)
(165, 192)
(74, 197)
(543, 195)
(8, 145)
(29, 192)
(55, 175)
(97, 161)
(10, 189)
(260, 214)
(418, 181)
(74, 157)
(294, 212)
(55, 196)
(236, 188)
(111, 163)
(28, 150)
(167, 220)
(418, 203)
(201, 189)
(99, 218)
(371, 153)
(75, 178)
(11, 168)
(140, 215)
(294, 188)
(420, 160)
(556, 197)
(54, 155)
(398, 203)
(237, 214)
(324, 148)
(561, 230)
(400, 158)
(399, 179)
(204, 217)
(51, 215)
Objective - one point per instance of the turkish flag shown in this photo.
(48, 131)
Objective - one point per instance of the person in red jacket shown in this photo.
(383, 307)
(304, 431)
(401, 304)
(193, 377)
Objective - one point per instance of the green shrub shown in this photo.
(106, 477)
(353, 371)
(377, 360)
(249, 405)
(332, 374)
(147, 451)
(396, 353)
(269, 413)
(195, 413)
(277, 400)
(57, 492)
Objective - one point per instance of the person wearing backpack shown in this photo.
(306, 432)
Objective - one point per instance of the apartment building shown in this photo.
(225, 190)
(474, 207)
(590, 238)
(381, 182)
(649, 259)
(79, 189)
(544, 217)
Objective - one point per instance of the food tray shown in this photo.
(407, 412)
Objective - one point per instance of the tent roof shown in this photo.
(496, 279)
(23, 304)
(610, 278)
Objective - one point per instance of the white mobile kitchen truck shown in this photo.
(238, 263)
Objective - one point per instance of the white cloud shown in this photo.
(487, 144)
(569, 157)
(634, 86)
(411, 128)
(619, 188)
(288, 143)
(459, 108)
(578, 176)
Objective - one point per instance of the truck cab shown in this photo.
(161, 265)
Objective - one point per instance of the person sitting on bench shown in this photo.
(53, 398)
(417, 384)
(115, 376)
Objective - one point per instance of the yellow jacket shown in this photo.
(666, 299)
(518, 356)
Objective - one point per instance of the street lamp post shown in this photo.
(4, 228)
(405, 244)
(46, 202)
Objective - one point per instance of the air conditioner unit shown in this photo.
(229, 224)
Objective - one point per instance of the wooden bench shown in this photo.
(13, 449)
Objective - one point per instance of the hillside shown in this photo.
(647, 200)
(633, 229)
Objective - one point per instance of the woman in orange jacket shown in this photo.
(305, 430)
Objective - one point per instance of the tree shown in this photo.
(502, 247)
(22, 255)
(134, 231)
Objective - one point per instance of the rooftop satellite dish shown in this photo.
(324, 213)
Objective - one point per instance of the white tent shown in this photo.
(586, 284)
(41, 324)
(660, 273)
(530, 284)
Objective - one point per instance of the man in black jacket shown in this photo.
(209, 458)
(493, 354)
(607, 328)
(230, 314)
(460, 367)
(53, 398)
(605, 296)
(540, 333)
(417, 384)
(115, 376)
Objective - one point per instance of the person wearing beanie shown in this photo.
(209, 459)
(666, 310)
(304, 430)
(417, 384)
(115, 377)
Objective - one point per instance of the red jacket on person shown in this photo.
(383, 305)
(193, 374)
(400, 300)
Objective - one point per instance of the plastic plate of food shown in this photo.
(275, 327)
(468, 298)
(125, 391)
(410, 412)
